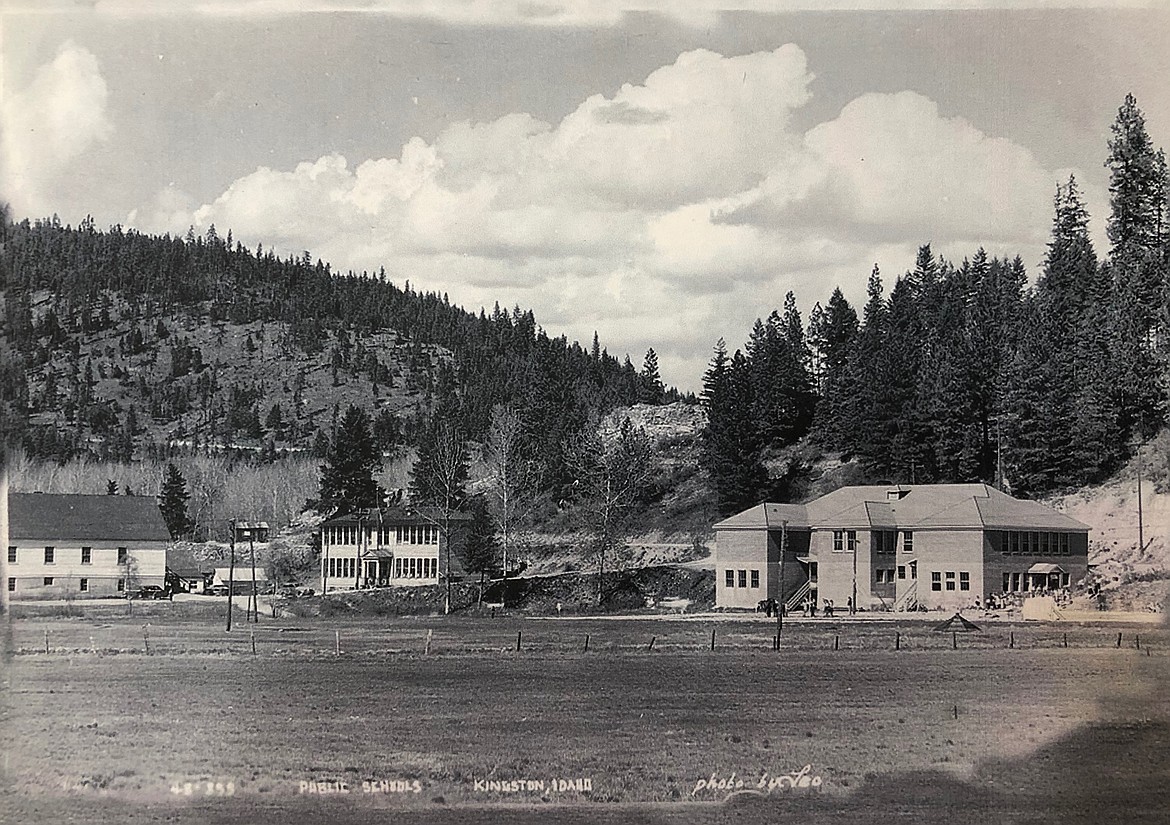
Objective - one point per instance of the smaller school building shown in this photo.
(66, 546)
(897, 548)
(386, 547)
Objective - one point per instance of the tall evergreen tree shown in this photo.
(651, 389)
(172, 502)
(1138, 262)
(347, 477)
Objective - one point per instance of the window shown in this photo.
(851, 540)
(122, 555)
(1044, 543)
(11, 584)
(398, 568)
(950, 580)
(50, 555)
(121, 585)
(1016, 582)
(907, 542)
(743, 578)
(11, 554)
(1064, 549)
(964, 580)
(901, 571)
(884, 541)
(936, 581)
(729, 581)
(87, 555)
(1064, 579)
(84, 585)
(755, 578)
(48, 581)
(1007, 582)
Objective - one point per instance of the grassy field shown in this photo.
(98, 730)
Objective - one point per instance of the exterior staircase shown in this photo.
(908, 600)
(799, 596)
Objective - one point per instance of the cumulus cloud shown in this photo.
(49, 124)
(670, 213)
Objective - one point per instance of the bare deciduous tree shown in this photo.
(438, 486)
(514, 481)
(610, 472)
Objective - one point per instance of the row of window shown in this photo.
(883, 541)
(408, 568)
(730, 578)
(341, 568)
(49, 581)
(937, 581)
(1021, 582)
(1032, 543)
(51, 555)
(416, 568)
(403, 534)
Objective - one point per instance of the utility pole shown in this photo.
(255, 596)
(1141, 522)
(783, 551)
(851, 537)
(231, 572)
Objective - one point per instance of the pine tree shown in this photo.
(650, 389)
(832, 336)
(172, 501)
(1141, 285)
(347, 477)
(479, 546)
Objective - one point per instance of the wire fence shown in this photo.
(157, 634)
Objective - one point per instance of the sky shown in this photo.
(662, 179)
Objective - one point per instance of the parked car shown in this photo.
(153, 592)
(216, 590)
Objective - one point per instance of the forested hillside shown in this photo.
(121, 345)
(963, 372)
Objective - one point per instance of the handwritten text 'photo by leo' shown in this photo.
(798, 780)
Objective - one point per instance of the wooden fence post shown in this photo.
(586, 650)
(836, 643)
(897, 641)
(652, 638)
(519, 634)
(252, 634)
(712, 638)
(954, 640)
(336, 642)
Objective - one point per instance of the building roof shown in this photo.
(374, 517)
(243, 574)
(919, 506)
(771, 516)
(62, 516)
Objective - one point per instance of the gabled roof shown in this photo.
(62, 516)
(243, 573)
(767, 516)
(373, 517)
(919, 506)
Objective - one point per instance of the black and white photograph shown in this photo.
(565, 411)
